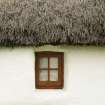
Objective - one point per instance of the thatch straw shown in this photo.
(39, 22)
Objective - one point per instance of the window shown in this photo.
(49, 70)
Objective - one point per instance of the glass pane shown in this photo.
(54, 75)
(53, 62)
(43, 75)
(44, 62)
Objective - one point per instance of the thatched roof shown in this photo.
(38, 22)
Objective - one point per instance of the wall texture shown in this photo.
(84, 77)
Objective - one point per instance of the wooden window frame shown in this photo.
(49, 84)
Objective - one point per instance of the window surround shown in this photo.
(48, 84)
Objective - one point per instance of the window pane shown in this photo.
(43, 75)
(44, 62)
(53, 62)
(54, 75)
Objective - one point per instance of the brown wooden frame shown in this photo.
(50, 84)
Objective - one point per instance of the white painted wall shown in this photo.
(84, 77)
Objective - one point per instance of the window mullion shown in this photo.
(48, 68)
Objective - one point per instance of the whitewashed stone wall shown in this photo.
(84, 79)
